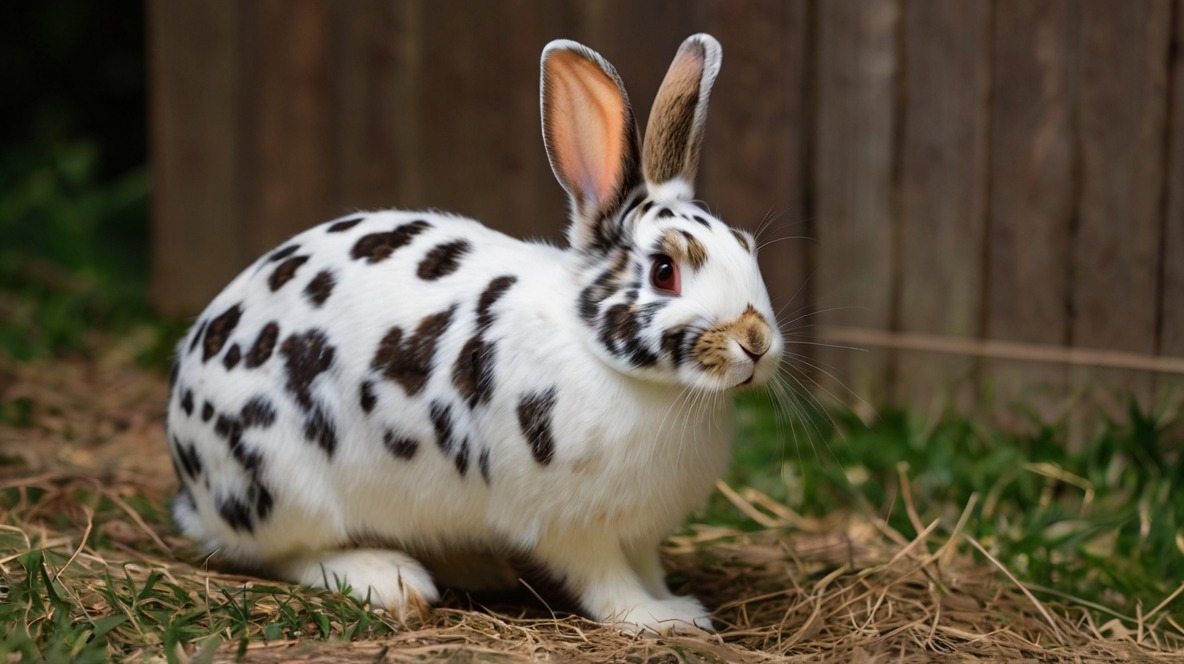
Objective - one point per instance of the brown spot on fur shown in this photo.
(264, 344)
(320, 288)
(219, 330)
(400, 446)
(472, 375)
(377, 247)
(409, 363)
(284, 272)
(442, 260)
(306, 356)
(343, 226)
(683, 247)
(743, 238)
(232, 357)
(534, 418)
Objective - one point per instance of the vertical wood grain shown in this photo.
(857, 74)
(752, 165)
(374, 99)
(195, 87)
(481, 151)
(1032, 200)
(290, 118)
(1171, 304)
(942, 189)
(1116, 255)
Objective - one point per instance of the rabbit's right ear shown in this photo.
(591, 139)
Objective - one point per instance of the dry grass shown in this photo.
(85, 476)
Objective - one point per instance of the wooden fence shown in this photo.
(987, 196)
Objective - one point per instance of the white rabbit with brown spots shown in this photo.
(395, 387)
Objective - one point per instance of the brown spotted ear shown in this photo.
(591, 139)
(675, 130)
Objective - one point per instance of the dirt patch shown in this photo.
(85, 475)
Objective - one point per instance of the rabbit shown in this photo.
(393, 386)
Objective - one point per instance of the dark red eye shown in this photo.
(664, 275)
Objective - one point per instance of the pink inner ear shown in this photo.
(587, 125)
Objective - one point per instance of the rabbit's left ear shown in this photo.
(675, 130)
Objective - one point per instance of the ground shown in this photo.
(93, 570)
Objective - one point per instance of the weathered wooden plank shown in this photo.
(856, 74)
(1170, 395)
(375, 93)
(942, 189)
(197, 239)
(289, 117)
(480, 147)
(752, 164)
(1032, 201)
(1124, 54)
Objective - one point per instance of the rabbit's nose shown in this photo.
(755, 354)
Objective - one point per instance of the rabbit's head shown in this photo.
(668, 292)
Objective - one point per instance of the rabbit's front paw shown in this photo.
(677, 614)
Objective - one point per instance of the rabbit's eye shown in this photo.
(664, 275)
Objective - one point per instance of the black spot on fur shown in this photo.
(631, 206)
(443, 260)
(207, 411)
(232, 357)
(674, 345)
(742, 239)
(263, 501)
(173, 373)
(250, 460)
(219, 330)
(186, 455)
(264, 344)
(342, 226)
(236, 513)
(284, 272)
(534, 418)
(472, 375)
(306, 356)
(377, 247)
(602, 288)
(320, 288)
(701, 221)
(400, 446)
(229, 429)
(409, 362)
(366, 396)
(282, 253)
(621, 328)
(258, 412)
(201, 329)
(492, 293)
(441, 415)
(187, 402)
(665, 213)
(649, 205)
(483, 464)
(461, 457)
(319, 429)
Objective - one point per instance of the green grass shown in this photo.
(1104, 525)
